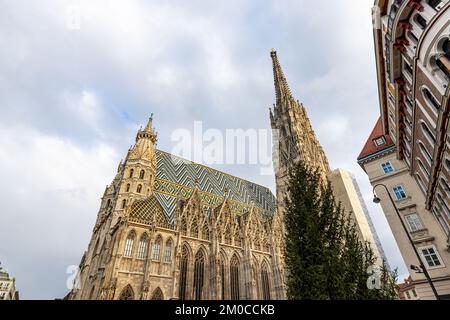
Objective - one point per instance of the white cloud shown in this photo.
(51, 189)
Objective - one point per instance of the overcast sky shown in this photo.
(78, 79)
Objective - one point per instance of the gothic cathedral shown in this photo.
(172, 229)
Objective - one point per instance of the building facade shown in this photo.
(413, 62)
(379, 160)
(7, 286)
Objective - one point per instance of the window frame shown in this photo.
(142, 250)
(129, 245)
(402, 189)
(156, 249)
(168, 248)
(425, 261)
(387, 163)
(417, 222)
(380, 141)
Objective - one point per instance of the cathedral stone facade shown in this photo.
(172, 229)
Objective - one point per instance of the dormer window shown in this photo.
(380, 141)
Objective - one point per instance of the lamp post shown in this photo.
(422, 266)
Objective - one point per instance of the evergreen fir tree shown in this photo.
(324, 257)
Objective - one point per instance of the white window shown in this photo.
(380, 141)
(431, 257)
(414, 222)
(400, 193)
(156, 249)
(142, 247)
(387, 167)
(129, 246)
(168, 251)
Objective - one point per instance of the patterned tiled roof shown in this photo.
(177, 177)
(148, 210)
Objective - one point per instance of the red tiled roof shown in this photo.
(370, 147)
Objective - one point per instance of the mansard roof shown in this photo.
(371, 149)
(179, 178)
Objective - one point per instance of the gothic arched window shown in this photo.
(156, 252)
(128, 187)
(168, 251)
(257, 243)
(205, 232)
(237, 239)
(142, 174)
(183, 272)
(157, 294)
(265, 286)
(124, 203)
(228, 235)
(127, 293)
(194, 229)
(234, 278)
(267, 247)
(199, 271)
(139, 188)
(143, 247)
(129, 245)
(183, 227)
(131, 173)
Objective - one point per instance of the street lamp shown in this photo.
(377, 200)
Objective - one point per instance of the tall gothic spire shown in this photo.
(145, 145)
(296, 137)
(282, 89)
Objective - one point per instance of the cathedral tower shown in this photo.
(134, 181)
(294, 138)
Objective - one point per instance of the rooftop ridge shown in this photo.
(216, 170)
